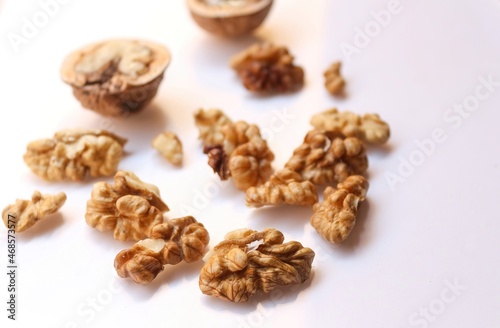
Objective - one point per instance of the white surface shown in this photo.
(439, 226)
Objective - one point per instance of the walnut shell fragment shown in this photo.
(176, 240)
(229, 18)
(369, 127)
(236, 270)
(327, 157)
(266, 68)
(71, 154)
(284, 187)
(335, 217)
(129, 207)
(26, 213)
(116, 77)
(334, 82)
(169, 146)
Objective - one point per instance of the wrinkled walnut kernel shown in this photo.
(169, 146)
(265, 67)
(335, 217)
(70, 154)
(236, 271)
(369, 127)
(26, 213)
(210, 123)
(334, 82)
(328, 157)
(182, 239)
(129, 207)
(284, 187)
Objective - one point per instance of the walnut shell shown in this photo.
(116, 77)
(229, 18)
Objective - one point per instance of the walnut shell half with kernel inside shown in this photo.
(229, 18)
(116, 77)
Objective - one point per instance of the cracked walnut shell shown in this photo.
(27, 213)
(335, 217)
(267, 68)
(116, 77)
(182, 239)
(328, 157)
(70, 154)
(369, 127)
(169, 146)
(236, 270)
(334, 82)
(129, 207)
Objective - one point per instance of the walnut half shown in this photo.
(237, 270)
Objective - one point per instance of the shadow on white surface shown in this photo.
(43, 228)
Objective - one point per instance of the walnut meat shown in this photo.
(116, 77)
(284, 187)
(267, 68)
(369, 127)
(129, 207)
(334, 82)
(236, 270)
(335, 217)
(210, 123)
(169, 146)
(27, 213)
(182, 239)
(71, 154)
(328, 157)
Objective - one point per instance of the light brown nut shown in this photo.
(369, 127)
(182, 239)
(210, 123)
(229, 18)
(267, 68)
(334, 82)
(169, 146)
(335, 217)
(328, 157)
(26, 213)
(116, 77)
(129, 207)
(236, 270)
(284, 187)
(71, 154)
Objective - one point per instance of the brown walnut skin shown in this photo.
(228, 24)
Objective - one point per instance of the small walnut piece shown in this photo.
(328, 157)
(182, 239)
(267, 68)
(236, 270)
(284, 187)
(169, 146)
(210, 123)
(26, 213)
(334, 82)
(335, 217)
(129, 207)
(116, 77)
(70, 154)
(369, 127)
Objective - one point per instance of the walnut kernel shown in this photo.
(334, 82)
(169, 146)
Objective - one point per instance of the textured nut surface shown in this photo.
(335, 217)
(369, 127)
(328, 157)
(210, 123)
(169, 146)
(26, 213)
(71, 154)
(334, 82)
(267, 68)
(129, 207)
(173, 241)
(116, 77)
(284, 187)
(236, 271)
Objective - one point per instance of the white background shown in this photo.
(413, 240)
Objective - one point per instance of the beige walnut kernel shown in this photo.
(129, 207)
(335, 217)
(236, 270)
(169, 146)
(182, 239)
(328, 157)
(71, 154)
(369, 127)
(334, 82)
(26, 213)
(210, 123)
